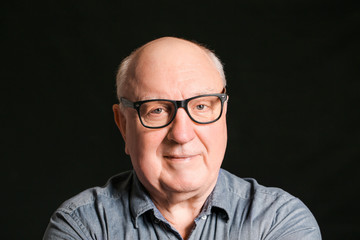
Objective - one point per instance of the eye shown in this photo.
(157, 111)
(200, 107)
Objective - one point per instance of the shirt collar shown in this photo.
(218, 200)
(140, 201)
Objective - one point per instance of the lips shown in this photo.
(175, 157)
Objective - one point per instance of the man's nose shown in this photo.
(182, 128)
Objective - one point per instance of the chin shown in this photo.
(188, 183)
(183, 188)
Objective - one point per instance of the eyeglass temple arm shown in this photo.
(127, 103)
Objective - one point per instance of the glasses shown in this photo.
(158, 113)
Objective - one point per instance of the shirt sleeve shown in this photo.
(293, 220)
(65, 226)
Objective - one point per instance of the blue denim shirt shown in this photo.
(236, 209)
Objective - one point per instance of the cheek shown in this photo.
(143, 147)
(215, 141)
(143, 144)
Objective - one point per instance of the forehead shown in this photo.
(173, 68)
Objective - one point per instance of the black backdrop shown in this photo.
(293, 80)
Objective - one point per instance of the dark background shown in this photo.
(293, 79)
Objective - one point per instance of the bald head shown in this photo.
(161, 52)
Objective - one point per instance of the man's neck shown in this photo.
(181, 209)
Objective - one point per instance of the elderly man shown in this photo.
(172, 116)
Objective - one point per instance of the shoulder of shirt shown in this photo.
(249, 188)
(116, 187)
(266, 208)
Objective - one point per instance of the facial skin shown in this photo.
(182, 159)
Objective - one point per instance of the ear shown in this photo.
(120, 121)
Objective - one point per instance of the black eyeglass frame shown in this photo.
(178, 104)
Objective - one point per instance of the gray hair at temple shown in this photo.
(124, 70)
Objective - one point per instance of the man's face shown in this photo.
(184, 156)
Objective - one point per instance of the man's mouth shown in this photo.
(180, 157)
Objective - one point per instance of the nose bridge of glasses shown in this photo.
(181, 104)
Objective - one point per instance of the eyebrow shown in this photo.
(209, 91)
(198, 93)
(206, 91)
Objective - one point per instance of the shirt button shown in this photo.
(204, 217)
(157, 220)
